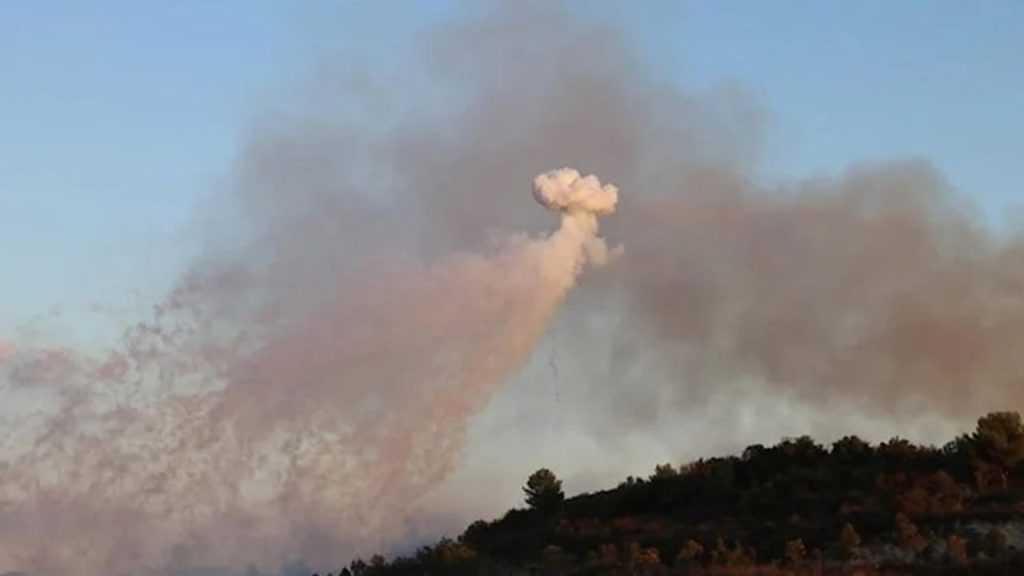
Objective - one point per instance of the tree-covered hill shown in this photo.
(793, 508)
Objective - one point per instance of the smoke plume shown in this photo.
(193, 447)
(372, 277)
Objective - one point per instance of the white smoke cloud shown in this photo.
(580, 201)
(566, 191)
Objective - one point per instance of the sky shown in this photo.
(117, 119)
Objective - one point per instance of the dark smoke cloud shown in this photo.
(310, 381)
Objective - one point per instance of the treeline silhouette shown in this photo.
(793, 508)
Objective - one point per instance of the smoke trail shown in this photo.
(308, 440)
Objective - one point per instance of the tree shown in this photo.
(818, 558)
(739, 557)
(691, 554)
(850, 540)
(999, 439)
(753, 452)
(897, 452)
(996, 541)
(957, 549)
(850, 449)
(720, 554)
(555, 561)
(604, 558)
(663, 471)
(544, 490)
(719, 474)
(476, 533)
(642, 561)
(908, 536)
(456, 557)
(803, 450)
(958, 456)
(795, 551)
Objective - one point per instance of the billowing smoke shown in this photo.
(306, 436)
(565, 191)
(359, 298)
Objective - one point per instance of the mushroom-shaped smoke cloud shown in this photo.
(566, 191)
(580, 200)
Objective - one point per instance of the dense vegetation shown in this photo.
(793, 508)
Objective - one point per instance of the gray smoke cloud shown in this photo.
(374, 275)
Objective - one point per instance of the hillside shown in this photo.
(793, 508)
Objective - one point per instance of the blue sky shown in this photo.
(117, 118)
